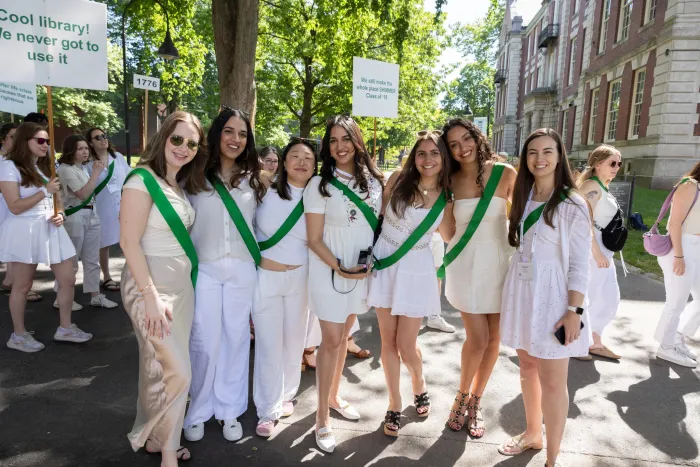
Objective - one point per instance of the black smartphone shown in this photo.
(365, 257)
(561, 336)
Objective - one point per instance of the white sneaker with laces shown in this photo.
(24, 342)
(675, 355)
(72, 334)
(233, 430)
(76, 306)
(194, 432)
(680, 342)
(102, 301)
(439, 323)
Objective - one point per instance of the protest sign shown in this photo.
(375, 88)
(55, 43)
(480, 123)
(17, 99)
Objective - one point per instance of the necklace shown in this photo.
(426, 190)
(343, 173)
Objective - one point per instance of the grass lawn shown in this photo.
(648, 203)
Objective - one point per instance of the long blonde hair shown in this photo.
(598, 155)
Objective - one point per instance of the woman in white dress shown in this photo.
(340, 231)
(28, 190)
(550, 224)
(228, 254)
(603, 292)
(475, 276)
(108, 201)
(405, 292)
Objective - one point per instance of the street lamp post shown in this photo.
(166, 51)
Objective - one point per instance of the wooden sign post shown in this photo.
(52, 152)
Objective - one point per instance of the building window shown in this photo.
(576, 6)
(604, 26)
(572, 61)
(594, 116)
(637, 103)
(625, 19)
(650, 11)
(613, 110)
(540, 76)
(565, 128)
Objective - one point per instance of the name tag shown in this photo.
(525, 271)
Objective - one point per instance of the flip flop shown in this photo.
(33, 296)
(516, 446)
(605, 352)
(180, 453)
(111, 285)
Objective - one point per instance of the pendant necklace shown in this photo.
(425, 190)
(343, 173)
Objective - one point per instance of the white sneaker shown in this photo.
(25, 342)
(102, 301)
(325, 439)
(76, 306)
(233, 430)
(439, 323)
(194, 432)
(676, 355)
(680, 342)
(72, 334)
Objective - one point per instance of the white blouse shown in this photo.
(73, 178)
(10, 173)
(214, 234)
(293, 248)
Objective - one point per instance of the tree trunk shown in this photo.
(305, 118)
(235, 39)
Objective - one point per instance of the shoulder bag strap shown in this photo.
(667, 205)
(94, 194)
(171, 217)
(285, 228)
(357, 201)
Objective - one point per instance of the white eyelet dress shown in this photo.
(409, 287)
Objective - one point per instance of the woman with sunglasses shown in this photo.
(405, 292)
(341, 207)
(603, 292)
(543, 296)
(157, 280)
(476, 265)
(228, 253)
(114, 168)
(26, 185)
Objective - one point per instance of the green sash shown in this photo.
(535, 215)
(602, 185)
(479, 214)
(237, 217)
(94, 194)
(357, 201)
(285, 228)
(171, 217)
(415, 236)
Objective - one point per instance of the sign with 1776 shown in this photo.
(147, 83)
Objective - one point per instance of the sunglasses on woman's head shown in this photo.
(177, 140)
(100, 138)
(231, 109)
(437, 133)
(42, 141)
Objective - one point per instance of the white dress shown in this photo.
(474, 280)
(406, 286)
(4, 211)
(345, 232)
(109, 200)
(603, 290)
(29, 237)
(530, 309)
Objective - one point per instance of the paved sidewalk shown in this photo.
(72, 405)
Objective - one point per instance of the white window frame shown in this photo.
(540, 76)
(623, 30)
(605, 19)
(565, 127)
(576, 6)
(637, 102)
(572, 62)
(649, 11)
(595, 97)
(612, 110)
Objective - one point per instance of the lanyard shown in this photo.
(534, 218)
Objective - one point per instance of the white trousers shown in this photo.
(678, 289)
(603, 291)
(313, 331)
(280, 315)
(220, 340)
(690, 318)
(84, 230)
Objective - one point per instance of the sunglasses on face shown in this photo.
(100, 138)
(614, 164)
(177, 140)
(42, 141)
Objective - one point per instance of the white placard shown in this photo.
(54, 42)
(375, 88)
(146, 82)
(480, 123)
(18, 99)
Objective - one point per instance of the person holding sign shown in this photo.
(159, 276)
(228, 253)
(34, 234)
(78, 190)
(403, 287)
(341, 207)
(280, 310)
(113, 172)
(541, 313)
(476, 261)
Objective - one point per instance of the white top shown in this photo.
(605, 209)
(10, 173)
(692, 222)
(4, 211)
(121, 170)
(72, 178)
(108, 201)
(214, 234)
(272, 212)
(158, 239)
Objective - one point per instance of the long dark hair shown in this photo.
(406, 188)
(70, 147)
(362, 158)
(483, 148)
(5, 130)
(88, 138)
(21, 155)
(280, 183)
(563, 185)
(247, 162)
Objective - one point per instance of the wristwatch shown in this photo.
(576, 309)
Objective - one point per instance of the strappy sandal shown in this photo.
(516, 445)
(33, 296)
(454, 420)
(422, 401)
(392, 423)
(110, 285)
(305, 365)
(363, 353)
(180, 453)
(478, 419)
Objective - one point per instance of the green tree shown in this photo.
(474, 86)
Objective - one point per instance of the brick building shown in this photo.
(623, 72)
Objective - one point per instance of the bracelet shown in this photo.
(679, 257)
(146, 288)
(63, 215)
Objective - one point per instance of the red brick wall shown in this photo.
(602, 109)
(646, 102)
(588, 102)
(571, 122)
(626, 91)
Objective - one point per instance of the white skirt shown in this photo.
(409, 287)
(603, 292)
(33, 240)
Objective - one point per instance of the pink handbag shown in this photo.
(655, 243)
